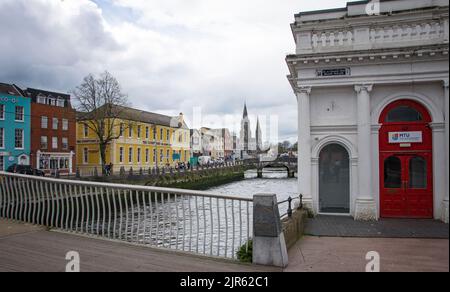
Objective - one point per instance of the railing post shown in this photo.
(269, 246)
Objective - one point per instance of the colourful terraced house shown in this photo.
(15, 133)
(146, 140)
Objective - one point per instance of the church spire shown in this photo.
(245, 111)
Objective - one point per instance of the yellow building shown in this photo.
(145, 140)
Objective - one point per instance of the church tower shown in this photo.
(246, 133)
(258, 136)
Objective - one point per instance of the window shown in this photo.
(168, 135)
(51, 101)
(403, 114)
(139, 132)
(139, 155)
(418, 173)
(55, 124)
(161, 155)
(161, 134)
(65, 143)
(393, 173)
(168, 155)
(65, 125)
(44, 122)
(154, 155)
(147, 153)
(2, 111)
(130, 155)
(85, 156)
(154, 134)
(86, 131)
(54, 142)
(18, 140)
(44, 142)
(60, 102)
(2, 163)
(147, 132)
(42, 99)
(121, 129)
(19, 114)
(130, 131)
(121, 154)
(2, 138)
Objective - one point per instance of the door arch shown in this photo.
(334, 180)
(406, 172)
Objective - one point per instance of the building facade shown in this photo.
(15, 112)
(145, 140)
(53, 132)
(372, 89)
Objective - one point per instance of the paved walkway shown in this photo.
(329, 254)
(341, 226)
(27, 248)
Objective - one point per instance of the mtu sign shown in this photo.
(405, 137)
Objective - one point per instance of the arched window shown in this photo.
(393, 173)
(403, 113)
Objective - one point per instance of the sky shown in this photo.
(170, 56)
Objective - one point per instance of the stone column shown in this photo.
(445, 205)
(366, 208)
(304, 148)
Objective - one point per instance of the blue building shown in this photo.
(15, 133)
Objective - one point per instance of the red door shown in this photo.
(407, 190)
(406, 171)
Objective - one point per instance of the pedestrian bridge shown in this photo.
(180, 220)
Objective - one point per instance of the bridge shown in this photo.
(290, 164)
(183, 221)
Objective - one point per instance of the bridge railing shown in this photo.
(189, 221)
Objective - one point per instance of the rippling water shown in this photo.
(198, 224)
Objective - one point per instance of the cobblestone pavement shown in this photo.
(341, 226)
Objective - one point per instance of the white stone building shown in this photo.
(371, 82)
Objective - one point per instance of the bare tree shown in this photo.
(100, 103)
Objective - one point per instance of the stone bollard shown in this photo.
(269, 245)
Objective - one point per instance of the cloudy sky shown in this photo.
(169, 55)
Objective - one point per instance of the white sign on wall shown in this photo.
(405, 137)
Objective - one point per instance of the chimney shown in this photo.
(181, 120)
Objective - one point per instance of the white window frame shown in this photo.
(85, 130)
(130, 155)
(2, 112)
(65, 124)
(2, 138)
(42, 99)
(44, 125)
(139, 154)
(60, 102)
(23, 114)
(130, 131)
(65, 143)
(121, 153)
(46, 142)
(55, 123)
(85, 155)
(147, 133)
(147, 155)
(139, 131)
(54, 142)
(23, 139)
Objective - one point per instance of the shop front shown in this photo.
(52, 162)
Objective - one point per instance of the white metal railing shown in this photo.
(190, 221)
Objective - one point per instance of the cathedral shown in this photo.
(249, 145)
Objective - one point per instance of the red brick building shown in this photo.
(53, 132)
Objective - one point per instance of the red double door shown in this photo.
(407, 186)
(406, 161)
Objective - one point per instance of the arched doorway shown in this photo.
(334, 180)
(406, 172)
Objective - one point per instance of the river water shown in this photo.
(201, 225)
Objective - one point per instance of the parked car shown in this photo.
(25, 169)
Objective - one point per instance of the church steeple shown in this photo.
(245, 111)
